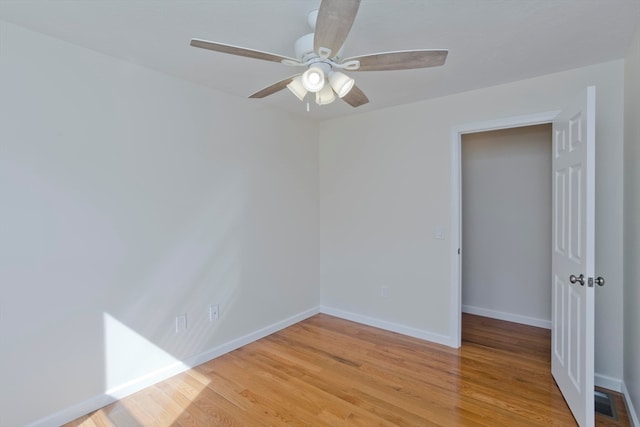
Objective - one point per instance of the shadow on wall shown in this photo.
(129, 197)
(110, 328)
(142, 344)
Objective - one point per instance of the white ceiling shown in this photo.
(489, 41)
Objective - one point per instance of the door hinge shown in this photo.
(590, 282)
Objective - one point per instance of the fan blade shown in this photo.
(276, 87)
(355, 97)
(401, 60)
(335, 18)
(240, 51)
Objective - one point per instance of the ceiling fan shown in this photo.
(320, 54)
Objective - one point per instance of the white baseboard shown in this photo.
(249, 338)
(390, 326)
(600, 380)
(124, 390)
(509, 317)
(610, 383)
(69, 414)
(631, 410)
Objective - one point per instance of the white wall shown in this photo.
(128, 197)
(506, 224)
(632, 224)
(385, 187)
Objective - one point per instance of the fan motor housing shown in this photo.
(303, 48)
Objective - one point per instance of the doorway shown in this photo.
(573, 229)
(457, 132)
(506, 226)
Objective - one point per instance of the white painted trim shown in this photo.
(633, 415)
(249, 338)
(69, 414)
(509, 317)
(123, 390)
(610, 383)
(455, 312)
(455, 317)
(507, 122)
(390, 326)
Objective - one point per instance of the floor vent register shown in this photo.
(604, 405)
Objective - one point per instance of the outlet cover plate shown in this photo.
(214, 312)
(181, 322)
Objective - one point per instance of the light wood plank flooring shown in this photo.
(326, 371)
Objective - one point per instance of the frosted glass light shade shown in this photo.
(297, 88)
(313, 79)
(341, 83)
(325, 96)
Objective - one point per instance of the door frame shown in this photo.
(455, 321)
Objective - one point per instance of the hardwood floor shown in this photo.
(325, 371)
(520, 340)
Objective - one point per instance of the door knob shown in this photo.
(599, 281)
(579, 279)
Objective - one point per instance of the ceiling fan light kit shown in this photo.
(321, 53)
(341, 83)
(297, 88)
(313, 79)
(325, 96)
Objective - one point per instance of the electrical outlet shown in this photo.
(384, 292)
(181, 323)
(214, 312)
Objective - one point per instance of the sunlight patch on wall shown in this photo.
(132, 363)
(130, 357)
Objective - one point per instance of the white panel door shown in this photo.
(572, 348)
